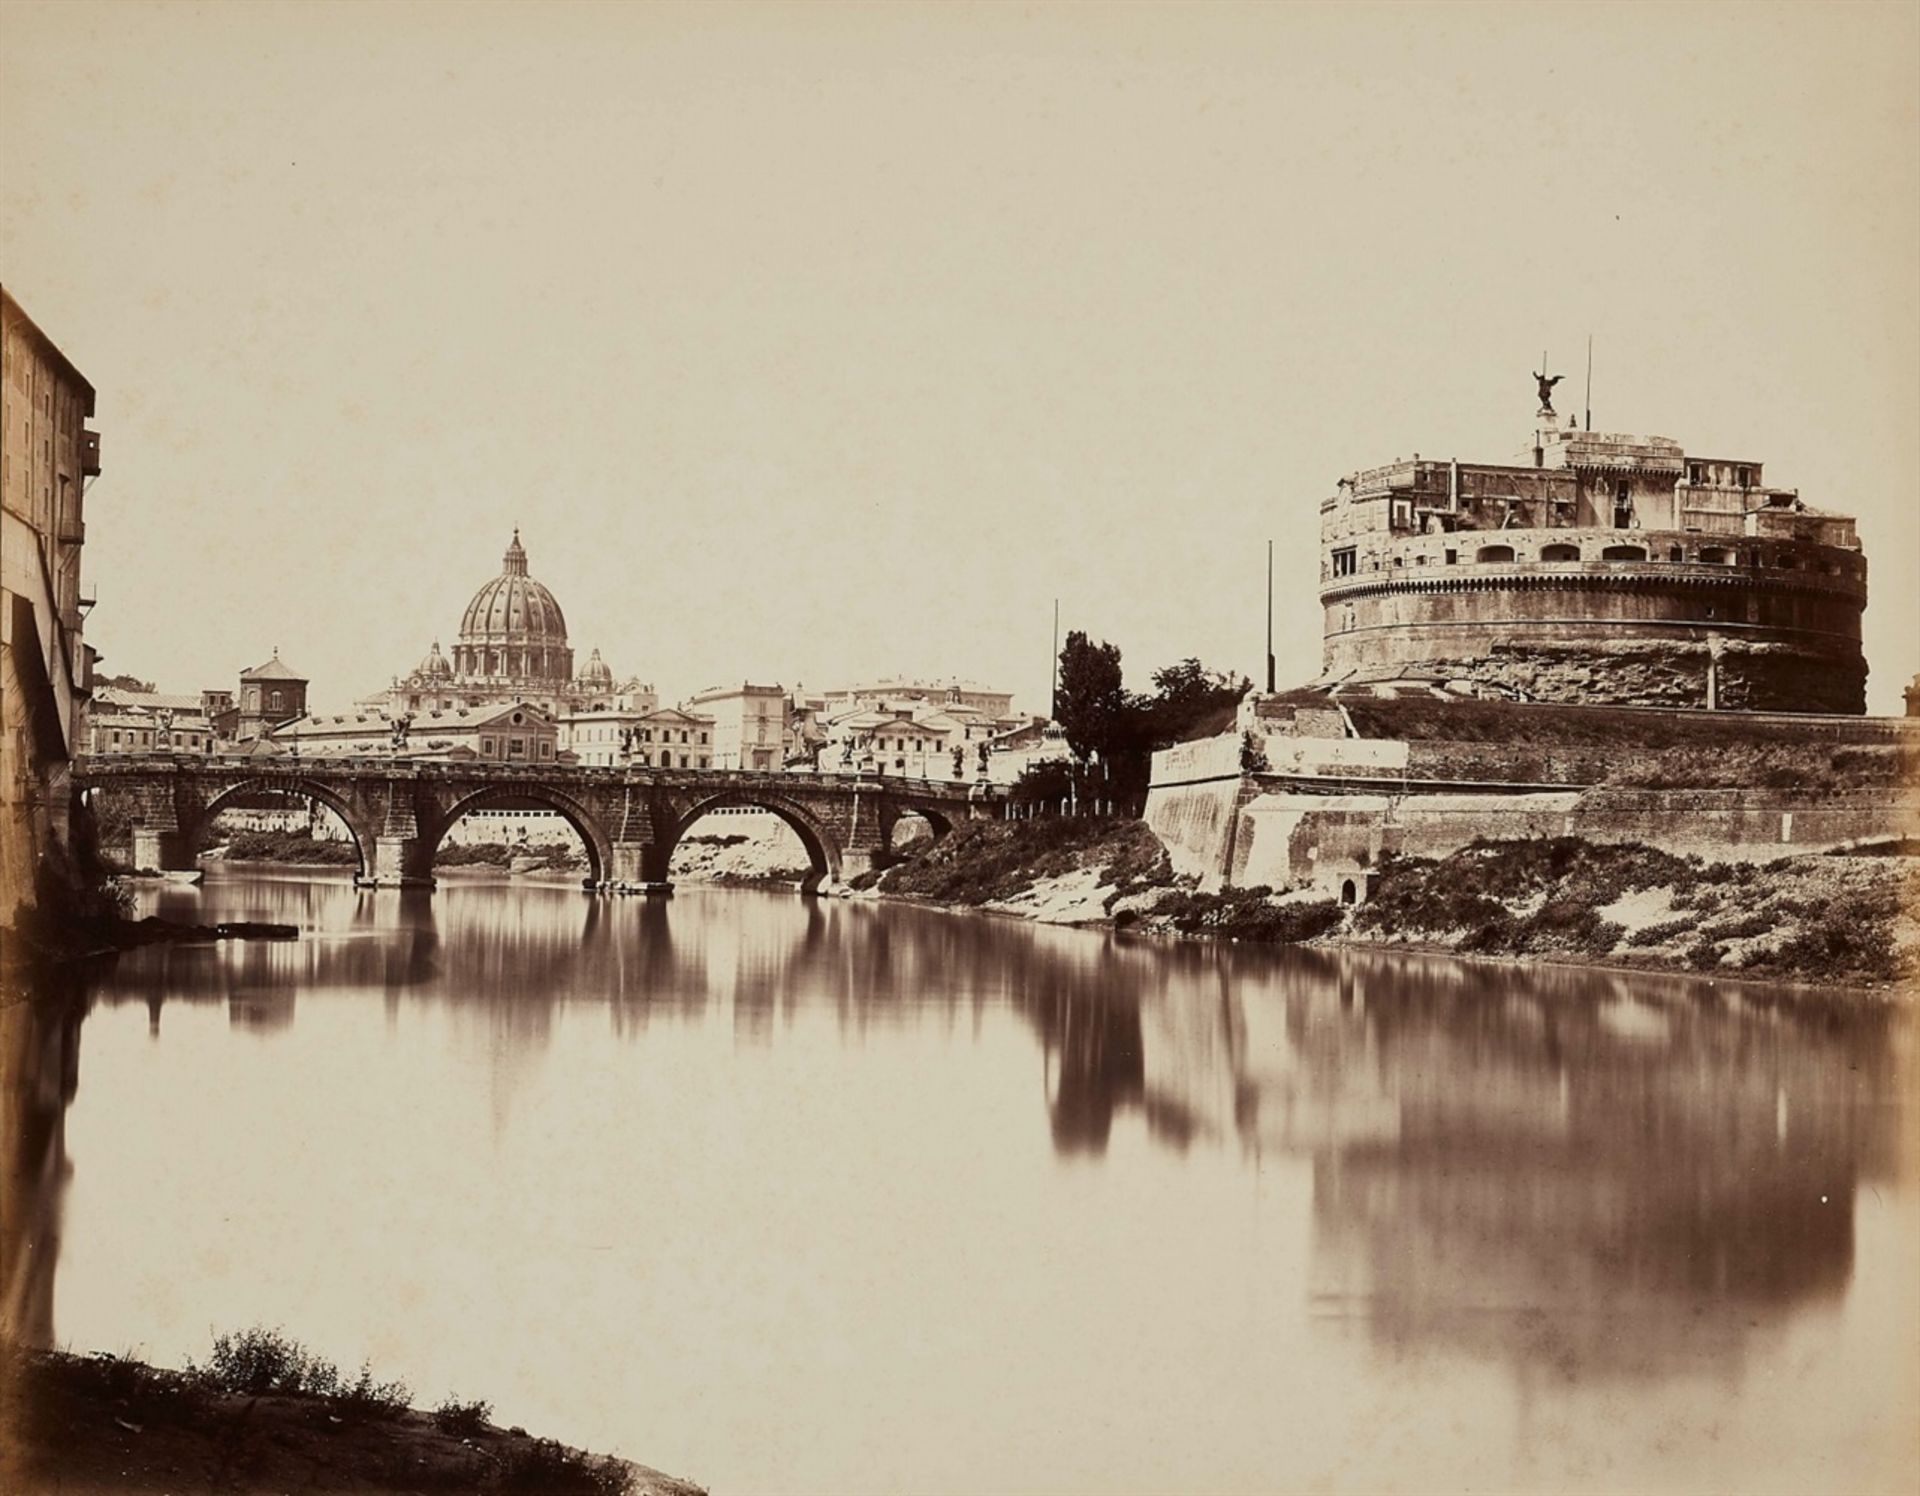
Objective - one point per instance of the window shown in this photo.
(546, 750)
(1743, 476)
(1624, 553)
(1715, 555)
(273, 701)
(1494, 553)
(1452, 557)
(1560, 553)
(1344, 562)
(1674, 553)
(486, 745)
(1622, 505)
(1696, 473)
(516, 747)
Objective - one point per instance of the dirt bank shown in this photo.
(1835, 921)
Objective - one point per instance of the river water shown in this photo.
(794, 1195)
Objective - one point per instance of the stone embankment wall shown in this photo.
(1335, 807)
(1198, 791)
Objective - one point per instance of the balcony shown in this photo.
(90, 454)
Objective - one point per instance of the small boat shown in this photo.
(183, 874)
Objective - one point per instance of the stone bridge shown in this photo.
(630, 819)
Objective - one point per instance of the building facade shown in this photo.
(270, 694)
(113, 731)
(125, 721)
(900, 692)
(516, 733)
(47, 454)
(1601, 568)
(749, 725)
(660, 737)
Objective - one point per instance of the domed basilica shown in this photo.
(512, 647)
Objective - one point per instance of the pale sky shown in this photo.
(808, 342)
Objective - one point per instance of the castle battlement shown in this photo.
(1501, 578)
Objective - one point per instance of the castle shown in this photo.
(1599, 568)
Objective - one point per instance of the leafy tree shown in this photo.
(1188, 701)
(1091, 706)
(128, 683)
(1104, 721)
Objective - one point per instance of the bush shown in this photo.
(291, 846)
(1705, 955)
(1247, 914)
(1851, 941)
(363, 1397)
(1664, 933)
(463, 1418)
(1743, 928)
(551, 1469)
(980, 862)
(258, 1361)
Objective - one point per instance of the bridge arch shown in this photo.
(194, 834)
(517, 796)
(822, 846)
(938, 817)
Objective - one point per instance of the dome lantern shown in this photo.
(513, 628)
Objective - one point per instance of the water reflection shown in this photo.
(1576, 1178)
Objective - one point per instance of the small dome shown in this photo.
(513, 608)
(435, 665)
(597, 672)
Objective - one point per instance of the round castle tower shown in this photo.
(1600, 568)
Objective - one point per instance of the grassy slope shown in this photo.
(109, 1423)
(989, 862)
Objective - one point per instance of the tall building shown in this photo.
(749, 725)
(1598, 568)
(270, 694)
(46, 671)
(511, 647)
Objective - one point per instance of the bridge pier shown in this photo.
(398, 862)
(636, 867)
(160, 849)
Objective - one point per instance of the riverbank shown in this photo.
(86, 1424)
(1834, 921)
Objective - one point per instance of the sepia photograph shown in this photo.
(1078, 748)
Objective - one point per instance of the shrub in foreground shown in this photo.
(551, 1469)
(463, 1418)
(259, 1361)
